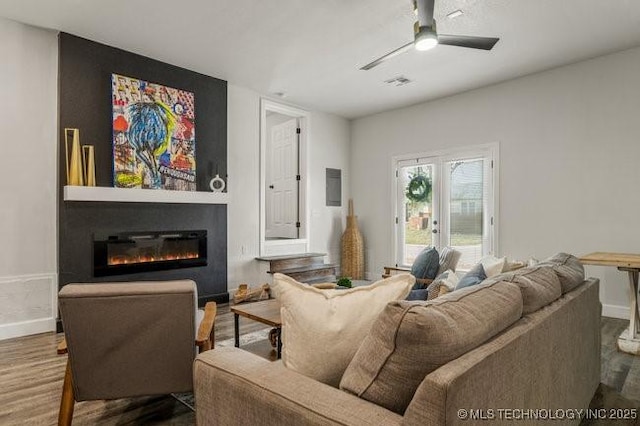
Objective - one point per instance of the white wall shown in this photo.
(28, 115)
(328, 147)
(569, 161)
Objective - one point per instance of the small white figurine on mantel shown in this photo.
(217, 184)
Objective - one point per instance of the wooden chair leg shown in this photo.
(68, 399)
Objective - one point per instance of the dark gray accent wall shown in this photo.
(85, 69)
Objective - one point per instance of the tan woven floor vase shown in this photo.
(352, 262)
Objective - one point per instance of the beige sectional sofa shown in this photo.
(548, 359)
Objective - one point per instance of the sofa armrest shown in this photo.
(233, 386)
(512, 370)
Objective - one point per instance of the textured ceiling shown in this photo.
(311, 50)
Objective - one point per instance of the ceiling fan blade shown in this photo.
(485, 43)
(388, 56)
(425, 12)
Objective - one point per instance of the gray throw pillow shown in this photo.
(475, 276)
(449, 258)
(426, 264)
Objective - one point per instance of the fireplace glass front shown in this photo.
(134, 252)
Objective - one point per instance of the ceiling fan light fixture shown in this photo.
(425, 40)
(426, 35)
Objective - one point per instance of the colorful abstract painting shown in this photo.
(154, 138)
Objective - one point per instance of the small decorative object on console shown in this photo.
(344, 282)
(247, 294)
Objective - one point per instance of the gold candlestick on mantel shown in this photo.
(88, 156)
(73, 158)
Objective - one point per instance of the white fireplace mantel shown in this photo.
(134, 195)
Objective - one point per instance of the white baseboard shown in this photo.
(26, 328)
(615, 311)
(28, 304)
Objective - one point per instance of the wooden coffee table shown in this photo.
(266, 312)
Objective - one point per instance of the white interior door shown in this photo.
(282, 183)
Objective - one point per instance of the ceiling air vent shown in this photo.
(398, 81)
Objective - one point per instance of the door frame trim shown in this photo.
(493, 148)
(301, 244)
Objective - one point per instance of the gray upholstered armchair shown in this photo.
(110, 327)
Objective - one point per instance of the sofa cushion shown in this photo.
(568, 268)
(426, 264)
(475, 276)
(322, 329)
(539, 285)
(409, 340)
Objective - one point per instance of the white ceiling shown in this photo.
(312, 49)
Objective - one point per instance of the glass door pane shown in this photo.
(415, 210)
(467, 194)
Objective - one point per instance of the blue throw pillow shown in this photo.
(426, 264)
(474, 277)
(420, 294)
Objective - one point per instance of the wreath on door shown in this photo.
(419, 189)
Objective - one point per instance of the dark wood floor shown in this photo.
(619, 370)
(31, 380)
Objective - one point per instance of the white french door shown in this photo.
(417, 221)
(446, 199)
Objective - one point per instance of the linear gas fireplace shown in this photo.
(133, 252)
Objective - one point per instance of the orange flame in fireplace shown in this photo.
(128, 259)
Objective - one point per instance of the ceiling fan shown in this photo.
(426, 37)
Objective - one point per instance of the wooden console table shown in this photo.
(629, 340)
